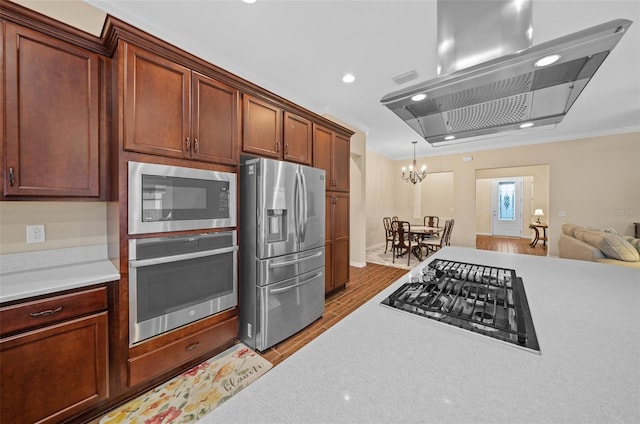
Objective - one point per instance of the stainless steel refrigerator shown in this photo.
(282, 275)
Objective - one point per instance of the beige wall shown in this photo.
(67, 224)
(436, 196)
(593, 181)
(76, 13)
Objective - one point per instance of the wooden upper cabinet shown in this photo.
(214, 121)
(322, 157)
(172, 111)
(298, 139)
(331, 152)
(52, 116)
(157, 101)
(341, 161)
(262, 127)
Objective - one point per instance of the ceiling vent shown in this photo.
(501, 93)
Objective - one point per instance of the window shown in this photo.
(506, 200)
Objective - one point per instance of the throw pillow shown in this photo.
(634, 242)
(612, 245)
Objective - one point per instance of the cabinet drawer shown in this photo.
(36, 313)
(166, 358)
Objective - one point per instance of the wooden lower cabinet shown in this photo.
(55, 372)
(336, 241)
(165, 358)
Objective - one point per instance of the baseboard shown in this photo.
(357, 264)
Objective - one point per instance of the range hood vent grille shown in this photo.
(503, 111)
(501, 94)
(486, 93)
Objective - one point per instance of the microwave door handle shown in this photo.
(295, 261)
(280, 290)
(183, 257)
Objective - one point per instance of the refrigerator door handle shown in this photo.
(304, 212)
(301, 283)
(295, 261)
(296, 204)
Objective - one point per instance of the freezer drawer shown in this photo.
(289, 306)
(288, 266)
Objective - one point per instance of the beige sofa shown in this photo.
(606, 246)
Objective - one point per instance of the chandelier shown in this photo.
(413, 175)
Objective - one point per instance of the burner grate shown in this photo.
(483, 299)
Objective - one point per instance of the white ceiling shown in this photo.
(300, 50)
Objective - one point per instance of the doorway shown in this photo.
(506, 207)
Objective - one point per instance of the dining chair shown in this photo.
(402, 240)
(431, 221)
(434, 244)
(388, 232)
(394, 218)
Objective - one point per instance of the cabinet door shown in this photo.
(322, 141)
(262, 128)
(340, 223)
(337, 241)
(55, 372)
(298, 137)
(52, 116)
(341, 159)
(214, 121)
(156, 104)
(328, 246)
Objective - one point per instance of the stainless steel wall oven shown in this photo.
(177, 280)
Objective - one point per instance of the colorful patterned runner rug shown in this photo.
(196, 392)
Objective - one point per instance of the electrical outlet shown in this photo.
(35, 233)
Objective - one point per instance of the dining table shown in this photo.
(425, 230)
(418, 232)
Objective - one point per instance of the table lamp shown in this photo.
(538, 213)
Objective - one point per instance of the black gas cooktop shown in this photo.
(484, 299)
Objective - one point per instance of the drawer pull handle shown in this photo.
(192, 346)
(45, 313)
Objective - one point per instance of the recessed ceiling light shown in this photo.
(249, 1)
(526, 125)
(419, 97)
(547, 60)
(450, 137)
(348, 78)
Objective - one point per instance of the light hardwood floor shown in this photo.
(510, 245)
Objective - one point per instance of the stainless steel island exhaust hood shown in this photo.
(513, 91)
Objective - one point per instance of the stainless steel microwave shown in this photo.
(166, 198)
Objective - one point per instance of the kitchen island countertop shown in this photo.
(380, 365)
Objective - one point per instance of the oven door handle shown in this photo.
(308, 280)
(294, 261)
(183, 257)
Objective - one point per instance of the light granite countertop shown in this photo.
(380, 365)
(24, 275)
